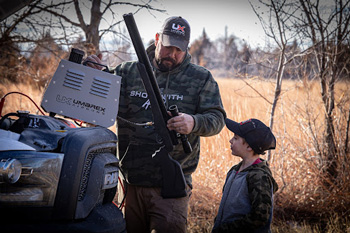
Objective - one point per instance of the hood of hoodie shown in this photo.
(262, 166)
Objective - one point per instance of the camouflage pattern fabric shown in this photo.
(256, 201)
(195, 92)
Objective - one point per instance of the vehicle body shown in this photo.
(57, 177)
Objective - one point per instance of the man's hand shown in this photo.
(183, 123)
(96, 59)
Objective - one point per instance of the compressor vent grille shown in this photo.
(74, 79)
(100, 87)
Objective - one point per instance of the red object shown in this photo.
(20, 93)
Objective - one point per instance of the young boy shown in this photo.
(247, 199)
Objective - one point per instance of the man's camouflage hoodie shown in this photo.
(195, 92)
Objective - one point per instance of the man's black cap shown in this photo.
(256, 134)
(176, 32)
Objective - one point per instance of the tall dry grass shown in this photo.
(298, 123)
(14, 102)
(302, 204)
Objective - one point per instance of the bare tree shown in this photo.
(68, 20)
(83, 24)
(198, 48)
(10, 57)
(90, 23)
(327, 26)
(322, 28)
(276, 27)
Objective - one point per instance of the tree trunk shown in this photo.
(91, 30)
(280, 72)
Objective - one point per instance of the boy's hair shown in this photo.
(258, 136)
(245, 142)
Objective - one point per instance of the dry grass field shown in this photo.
(298, 124)
(298, 119)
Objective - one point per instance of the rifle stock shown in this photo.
(174, 184)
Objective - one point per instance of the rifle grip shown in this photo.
(185, 143)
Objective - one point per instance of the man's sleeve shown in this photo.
(210, 117)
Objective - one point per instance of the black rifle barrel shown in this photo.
(143, 58)
(160, 114)
(174, 184)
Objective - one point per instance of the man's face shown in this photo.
(167, 57)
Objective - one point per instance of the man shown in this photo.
(195, 92)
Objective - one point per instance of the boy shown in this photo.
(247, 200)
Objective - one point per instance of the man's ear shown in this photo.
(157, 39)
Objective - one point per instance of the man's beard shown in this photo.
(163, 67)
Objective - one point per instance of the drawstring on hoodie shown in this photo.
(166, 89)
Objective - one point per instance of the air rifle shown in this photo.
(174, 184)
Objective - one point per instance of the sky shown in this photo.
(213, 15)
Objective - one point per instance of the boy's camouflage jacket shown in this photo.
(247, 200)
(195, 92)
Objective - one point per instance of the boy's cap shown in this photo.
(176, 32)
(257, 134)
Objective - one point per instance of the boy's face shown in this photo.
(238, 146)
